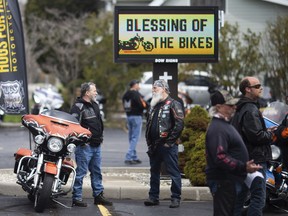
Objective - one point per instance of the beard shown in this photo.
(232, 114)
(156, 98)
(93, 99)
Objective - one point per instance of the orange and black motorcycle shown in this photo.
(44, 172)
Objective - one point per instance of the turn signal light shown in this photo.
(271, 181)
(278, 169)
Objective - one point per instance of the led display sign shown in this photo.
(166, 34)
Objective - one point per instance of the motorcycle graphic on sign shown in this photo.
(134, 44)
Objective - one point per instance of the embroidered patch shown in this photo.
(166, 107)
(164, 134)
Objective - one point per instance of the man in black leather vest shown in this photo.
(164, 126)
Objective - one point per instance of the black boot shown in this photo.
(175, 203)
(150, 202)
(79, 203)
(101, 200)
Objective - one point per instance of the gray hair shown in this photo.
(213, 111)
(86, 87)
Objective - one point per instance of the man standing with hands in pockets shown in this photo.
(165, 122)
(133, 105)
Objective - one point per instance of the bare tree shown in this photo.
(30, 56)
(32, 53)
(58, 45)
(239, 56)
(275, 45)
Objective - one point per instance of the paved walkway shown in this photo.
(119, 183)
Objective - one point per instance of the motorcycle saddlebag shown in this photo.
(22, 152)
(19, 154)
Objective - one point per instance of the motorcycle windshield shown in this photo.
(274, 113)
(60, 115)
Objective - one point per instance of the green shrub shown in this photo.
(195, 168)
(192, 161)
(12, 118)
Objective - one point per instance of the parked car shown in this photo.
(198, 87)
(1, 115)
(146, 85)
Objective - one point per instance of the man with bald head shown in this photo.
(250, 124)
(163, 128)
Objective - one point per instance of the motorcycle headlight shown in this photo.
(55, 144)
(71, 147)
(275, 152)
(36, 99)
(39, 139)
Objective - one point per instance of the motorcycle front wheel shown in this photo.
(42, 196)
(148, 46)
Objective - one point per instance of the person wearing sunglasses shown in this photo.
(250, 124)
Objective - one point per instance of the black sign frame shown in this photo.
(167, 57)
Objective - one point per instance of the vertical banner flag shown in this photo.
(13, 79)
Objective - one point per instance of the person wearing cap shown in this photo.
(134, 105)
(164, 126)
(226, 155)
(250, 124)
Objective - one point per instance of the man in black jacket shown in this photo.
(249, 122)
(226, 155)
(164, 126)
(134, 105)
(88, 155)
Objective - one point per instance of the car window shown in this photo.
(198, 81)
(149, 81)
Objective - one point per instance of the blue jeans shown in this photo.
(134, 128)
(88, 157)
(257, 193)
(168, 155)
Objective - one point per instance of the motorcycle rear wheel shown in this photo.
(42, 196)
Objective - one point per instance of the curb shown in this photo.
(9, 124)
(117, 183)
